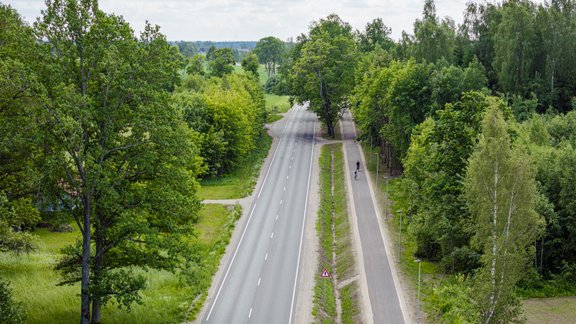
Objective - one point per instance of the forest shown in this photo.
(476, 124)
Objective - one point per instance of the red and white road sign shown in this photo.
(325, 274)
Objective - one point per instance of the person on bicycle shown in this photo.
(357, 165)
(355, 174)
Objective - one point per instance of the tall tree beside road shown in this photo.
(270, 51)
(501, 194)
(323, 71)
(123, 159)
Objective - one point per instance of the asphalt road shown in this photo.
(259, 282)
(381, 287)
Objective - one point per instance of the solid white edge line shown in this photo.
(303, 223)
(250, 313)
(231, 263)
(247, 223)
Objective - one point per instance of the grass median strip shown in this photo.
(336, 299)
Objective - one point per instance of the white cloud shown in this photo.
(254, 19)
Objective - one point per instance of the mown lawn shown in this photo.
(165, 300)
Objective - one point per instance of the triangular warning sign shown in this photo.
(325, 274)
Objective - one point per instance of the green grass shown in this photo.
(239, 183)
(165, 300)
(276, 104)
(324, 309)
(550, 310)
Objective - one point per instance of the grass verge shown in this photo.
(166, 298)
(334, 232)
(240, 182)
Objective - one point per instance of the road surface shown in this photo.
(382, 290)
(259, 282)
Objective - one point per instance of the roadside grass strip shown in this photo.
(241, 182)
(333, 303)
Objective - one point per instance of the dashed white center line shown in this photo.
(250, 313)
(287, 177)
(284, 188)
(259, 279)
(272, 235)
(290, 167)
(281, 201)
(266, 257)
(276, 217)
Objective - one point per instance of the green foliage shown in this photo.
(10, 311)
(220, 62)
(323, 69)
(434, 166)
(454, 300)
(433, 40)
(501, 191)
(196, 65)
(270, 51)
(376, 34)
(250, 65)
(228, 115)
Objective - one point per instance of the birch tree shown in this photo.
(501, 194)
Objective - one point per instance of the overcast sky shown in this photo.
(220, 20)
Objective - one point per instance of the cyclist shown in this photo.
(357, 165)
(355, 174)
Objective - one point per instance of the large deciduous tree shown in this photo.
(323, 72)
(123, 160)
(270, 51)
(501, 194)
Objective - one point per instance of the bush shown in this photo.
(453, 301)
(10, 311)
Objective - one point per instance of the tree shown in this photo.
(196, 65)
(121, 158)
(434, 165)
(514, 48)
(270, 51)
(323, 72)
(375, 34)
(20, 143)
(250, 64)
(433, 40)
(501, 191)
(222, 62)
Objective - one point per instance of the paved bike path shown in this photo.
(382, 287)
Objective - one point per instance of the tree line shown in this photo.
(478, 122)
(99, 127)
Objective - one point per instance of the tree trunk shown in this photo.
(85, 285)
(98, 265)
